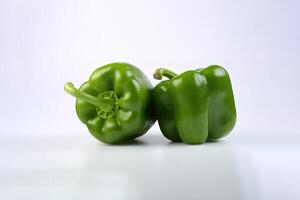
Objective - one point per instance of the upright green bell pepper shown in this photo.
(114, 103)
(194, 106)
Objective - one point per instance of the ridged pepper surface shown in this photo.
(196, 105)
(114, 103)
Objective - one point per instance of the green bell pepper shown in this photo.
(114, 103)
(194, 106)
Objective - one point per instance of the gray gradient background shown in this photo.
(46, 43)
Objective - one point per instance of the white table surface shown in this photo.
(76, 166)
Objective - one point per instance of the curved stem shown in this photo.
(162, 72)
(69, 88)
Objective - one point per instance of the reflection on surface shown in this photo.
(75, 167)
(158, 169)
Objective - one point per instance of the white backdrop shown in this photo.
(43, 44)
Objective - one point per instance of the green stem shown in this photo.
(162, 72)
(69, 88)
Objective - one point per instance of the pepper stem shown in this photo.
(106, 103)
(162, 72)
(69, 88)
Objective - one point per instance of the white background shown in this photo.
(43, 44)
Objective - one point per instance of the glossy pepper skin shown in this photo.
(114, 103)
(221, 106)
(194, 106)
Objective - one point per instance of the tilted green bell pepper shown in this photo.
(195, 105)
(114, 103)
